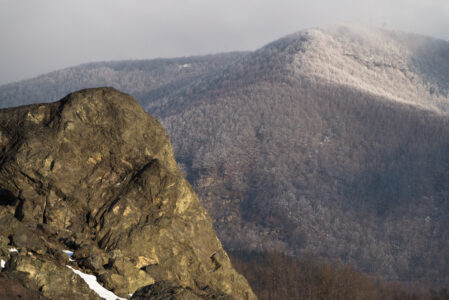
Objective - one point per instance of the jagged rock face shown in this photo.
(94, 173)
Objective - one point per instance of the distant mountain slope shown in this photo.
(349, 164)
(138, 77)
(405, 67)
(400, 67)
(328, 141)
(306, 167)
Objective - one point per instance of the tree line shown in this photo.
(275, 276)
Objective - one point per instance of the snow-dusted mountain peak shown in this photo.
(399, 66)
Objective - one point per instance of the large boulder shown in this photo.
(94, 174)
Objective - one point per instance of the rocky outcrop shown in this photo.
(94, 174)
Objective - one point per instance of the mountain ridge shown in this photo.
(337, 167)
(409, 51)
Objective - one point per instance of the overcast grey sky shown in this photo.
(38, 36)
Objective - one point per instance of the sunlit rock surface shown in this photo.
(95, 174)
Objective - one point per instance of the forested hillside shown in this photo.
(293, 157)
(361, 178)
(328, 141)
(137, 77)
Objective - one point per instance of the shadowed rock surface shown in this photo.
(169, 290)
(12, 290)
(95, 174)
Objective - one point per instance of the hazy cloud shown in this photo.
(39, 36)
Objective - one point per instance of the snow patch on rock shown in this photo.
(92, 282)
